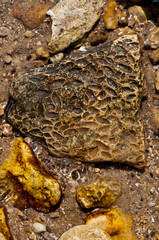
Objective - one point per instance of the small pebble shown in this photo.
(153, 38)
(7, 59)
(4, 31)
(54, 215)
(111, 16)
(152, 190)
(157, 88)
(39, 227)
(28, 34)
(157, 171)
(151, 204)
(1, 111)
(46, 235)
(32, 236)
(42, 53)
(6, 130)
(123, 18)
(56, 58)
(31, 14)
(154, 56)
(136, 15)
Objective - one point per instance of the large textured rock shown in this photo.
(87, 106)
(84, 232)
(71, 19)
(113, 221)
(101, 193)
(32, 176)
(5, 233)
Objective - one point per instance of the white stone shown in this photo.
(151, 204)
(38, 227)
(71, 19)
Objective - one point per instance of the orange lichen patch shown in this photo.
(30, 177)
(114, 221)
(5, 233)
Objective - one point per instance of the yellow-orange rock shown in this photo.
(101, 193)
(5, 233)
(114, 221)
(31, 175)
(111, 16)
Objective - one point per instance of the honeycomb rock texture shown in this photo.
(87, 106)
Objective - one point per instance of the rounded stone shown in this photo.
(153, 38)
(136, 15)
(84, 232)
(111, 16)
(4, 31)
(7, 130)
(113, 221)
(101, 193)
(38, 227)
(42, 53)
(31, 14)
(28, 34)
(7, 59)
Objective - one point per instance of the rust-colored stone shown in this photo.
(31, 14)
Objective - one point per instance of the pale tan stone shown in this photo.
(71, 19)
(136, 15)
(84, 232)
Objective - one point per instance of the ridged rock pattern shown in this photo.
(87, 106)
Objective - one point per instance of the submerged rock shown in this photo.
(113, 221)
(71, 19)
(84, 232)
(31, 175)
(111, 16)
(5, 233)
(101, 193)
